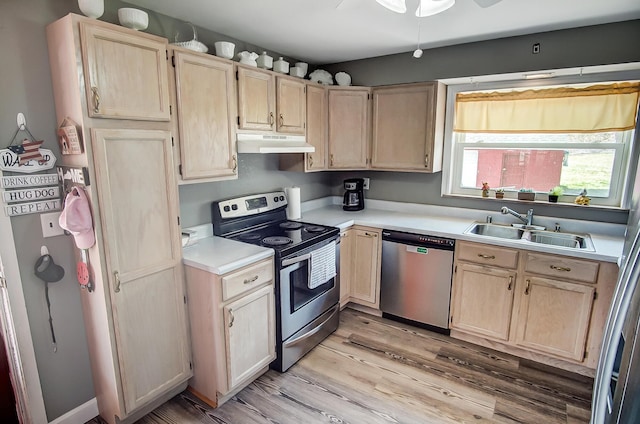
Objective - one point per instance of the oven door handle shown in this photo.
(305, 336)
(291, 261)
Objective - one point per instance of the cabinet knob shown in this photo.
(526, 290)
(310, 160)
(116, 276)
(560, 268)
(281, 120)
(271, 119)
(96, 99)
(235, 164)
(231, 318)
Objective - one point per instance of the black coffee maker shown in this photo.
(354, 194)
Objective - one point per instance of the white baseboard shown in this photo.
(81, 414)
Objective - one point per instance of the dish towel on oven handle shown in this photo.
(322, 265)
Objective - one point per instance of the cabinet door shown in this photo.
(316, 128)
(365, 269)
(138, 206)
(346, 257)
(554, 316)
(403, 127)
(256, 99)
(125, 74)
(249, 324)
(482, 299)
(291, 104)
(204, 93)
(348, 129)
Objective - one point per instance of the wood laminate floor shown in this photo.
(372, 370)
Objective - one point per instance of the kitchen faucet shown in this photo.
(528, 220)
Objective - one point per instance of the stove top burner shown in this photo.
(314, 229)
(276, 241)
(249, 237)
(290, 225)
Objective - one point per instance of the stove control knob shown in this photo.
(227, 209)
(234, 207)
(275, 199)
(281, 198)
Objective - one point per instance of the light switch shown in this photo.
(50, 225)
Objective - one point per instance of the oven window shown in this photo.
(301, 294)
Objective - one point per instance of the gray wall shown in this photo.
(595, 45)
(65, 375)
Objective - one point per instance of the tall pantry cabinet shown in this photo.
(113, 83)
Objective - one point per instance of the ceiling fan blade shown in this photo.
(487, 3)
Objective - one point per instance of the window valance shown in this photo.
(597, 108)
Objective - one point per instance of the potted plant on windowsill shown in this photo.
(554, 194)
(499, 193)
(526, 194)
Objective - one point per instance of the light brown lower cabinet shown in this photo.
(364, 275)
(546, 307)
(346, 255)
(233, 328)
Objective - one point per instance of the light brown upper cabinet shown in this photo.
(204, 91)
(263, 108)
(316, 127)
(408, 127)
(125, 74)
(349, 127)
(256, 99)
(291, 104)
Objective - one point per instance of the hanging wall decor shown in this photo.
(25, 156)
(69, 137)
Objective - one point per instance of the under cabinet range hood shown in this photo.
(273, 143)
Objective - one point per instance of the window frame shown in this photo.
(624, 165)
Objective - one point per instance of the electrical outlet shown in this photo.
(536, 48)
(366, 184)
(50, 225)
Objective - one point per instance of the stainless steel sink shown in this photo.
(551, 238)
(573, 241)
(496, 230)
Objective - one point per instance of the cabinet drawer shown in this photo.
(246, 279)
(487, 255)
(562, 267)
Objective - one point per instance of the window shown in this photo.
(574, 136)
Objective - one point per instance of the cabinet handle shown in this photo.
(560, 268)
(310, 161)
(370, 234)
(426, 160)
(510, 282)
(96, 99)
(271, 119)
(231, 318)
(281, 120)
(235, 164)
(344, 235)
(250, 280)
(331, 158)
(483, 256)
(526, 289)
(117, 278)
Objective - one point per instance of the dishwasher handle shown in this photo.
(421, 240)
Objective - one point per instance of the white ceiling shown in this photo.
(328, 31)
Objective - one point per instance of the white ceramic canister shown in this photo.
(91, 8)
(265, 61)
(281, 66)
(304, 67)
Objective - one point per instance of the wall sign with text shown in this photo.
(26, 194)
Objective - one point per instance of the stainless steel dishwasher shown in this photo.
(415, 281)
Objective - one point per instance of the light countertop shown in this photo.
(220, 256)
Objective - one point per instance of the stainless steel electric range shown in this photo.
(306, 262)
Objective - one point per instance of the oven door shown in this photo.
(300, 305)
